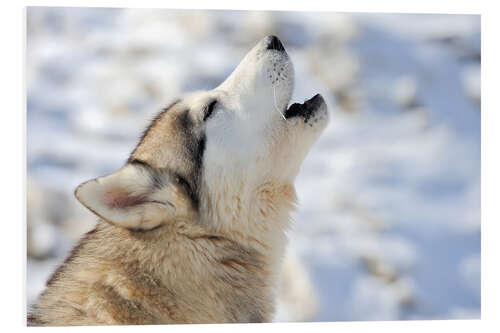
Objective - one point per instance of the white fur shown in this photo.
(251, 150)
(252, 156)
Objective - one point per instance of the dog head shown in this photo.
(214, 146)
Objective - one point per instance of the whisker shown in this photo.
(275, 104)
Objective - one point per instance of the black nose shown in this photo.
(275, 44)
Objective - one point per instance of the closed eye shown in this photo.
(209, 109)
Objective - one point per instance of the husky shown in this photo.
(192, 229)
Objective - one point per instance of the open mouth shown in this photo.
(305, 110)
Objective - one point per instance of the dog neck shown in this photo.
(256, 218)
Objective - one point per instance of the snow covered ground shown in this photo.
(389, 221)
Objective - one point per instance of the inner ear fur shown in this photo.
(135, 197)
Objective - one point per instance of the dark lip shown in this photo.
(306, 109)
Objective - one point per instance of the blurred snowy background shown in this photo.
(389, 221)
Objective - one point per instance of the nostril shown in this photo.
(275, 44)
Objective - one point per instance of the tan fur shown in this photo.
(121, 277)
(178, 242)
(183, 272)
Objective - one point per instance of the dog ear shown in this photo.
(135, 197)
